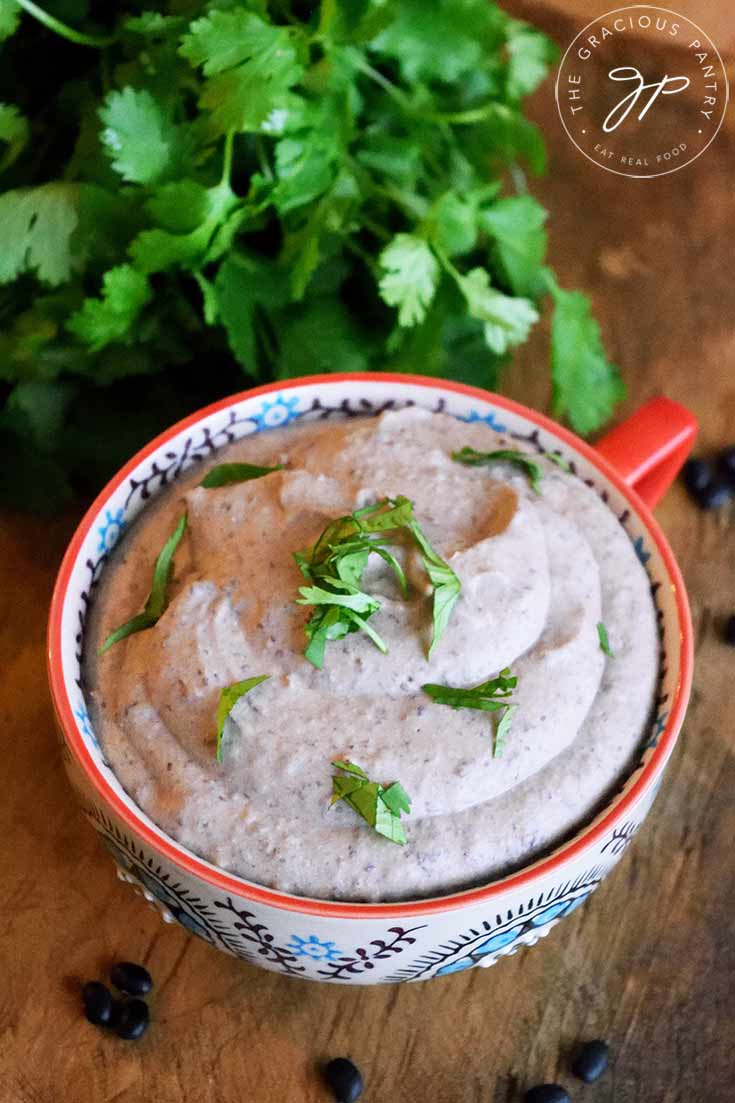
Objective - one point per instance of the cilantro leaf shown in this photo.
(604, 640)
(350, 768)
(530, 55)
(352, 598)
(142, 141)
(472, 458)
(396, 799)
(305, 165)
(410, 279)
(152, 24)
(36, 226)
(487, 697)
(14, 131)
(507, 321)
(9, 17)
(419, 34)
(502, 730)
(516, 227)
(509, 136)
(244, 286)
(224, 474)
(381, 807)
(490, 696)
(250, 64)
(228, 698)
(124, 294)
(157, 600)
(322, 336)
(586, 386)
(156, 250)
(446, 585)
(453, 220)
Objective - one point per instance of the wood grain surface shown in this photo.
(648, 963)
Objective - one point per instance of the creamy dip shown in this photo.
(538, 572)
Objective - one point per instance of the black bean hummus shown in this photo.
(539, 572)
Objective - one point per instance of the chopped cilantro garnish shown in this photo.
(501, 732)
(445, 582)
(228, 698)
(472, 458)
(380, 806)
(336, 563)
(558, 460)
(158, 597)
(604, 641)
(224, 474)
(490, 696)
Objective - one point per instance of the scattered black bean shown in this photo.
(697, 474)
(591, 1060)
(547, 1093)
(344, 1079)
(130, 1019)
(727, 464)
(714, 495)
(728, 632)
(130, 978)
(98, 1002)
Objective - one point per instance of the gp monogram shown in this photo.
(642, 91)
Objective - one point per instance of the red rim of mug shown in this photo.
(233, 885)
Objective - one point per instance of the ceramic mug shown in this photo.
(371, 943)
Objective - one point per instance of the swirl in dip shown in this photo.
(538, 572)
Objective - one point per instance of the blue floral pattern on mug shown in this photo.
(110, 530)
(313, 948)
(489, 419)
(659, 727)
(85, 724)
(274, 415)
(640, 551)
(455, 967)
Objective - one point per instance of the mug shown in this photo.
(353, 943)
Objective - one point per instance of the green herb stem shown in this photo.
(388, 86)
(263, 162)
(62, 29)
(227, 158)
(463, 118)
(604, 641)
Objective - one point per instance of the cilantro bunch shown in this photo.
(203, 196)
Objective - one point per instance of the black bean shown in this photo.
(130, 978)
(98, 1002)
(344, 1079)
(130, 1019)
(714, 495)
(728, 631)
(547, 1093)
(591, 1060)
(697, 474)
(726, 463)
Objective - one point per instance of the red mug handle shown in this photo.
(649, 448)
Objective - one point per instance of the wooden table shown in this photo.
(649, 963)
